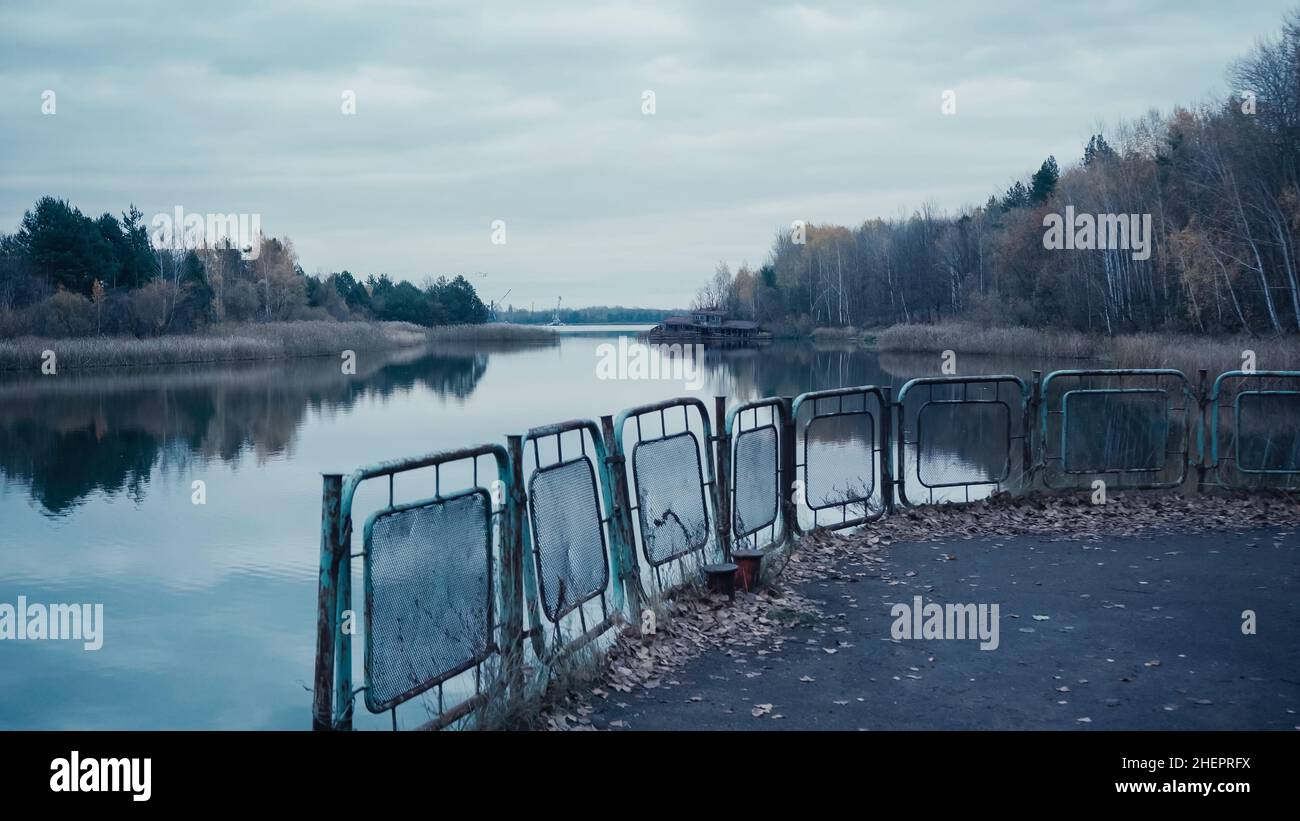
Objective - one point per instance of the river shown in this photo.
(210, 608)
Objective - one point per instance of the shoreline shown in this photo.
(248, 342)
(1186, 352)
(262, 342)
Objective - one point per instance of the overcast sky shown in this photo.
(531, 113)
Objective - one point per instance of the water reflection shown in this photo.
(68, 437)
(82, 433)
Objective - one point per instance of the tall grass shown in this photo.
(967, 337)
(249, 341)
(491, 331)
(1185, 352)
(836, 333)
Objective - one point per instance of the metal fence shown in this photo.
(433, 567)
(844, 456)
(1254, 430)
(961, 434)
(568, 529)
(1131, 428)
(749, 462)
(673, 493)
(524, 553)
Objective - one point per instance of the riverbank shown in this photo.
(251, 341)
(1186, 352)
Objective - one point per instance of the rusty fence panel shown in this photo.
(1131, 428)
(844, 456)
(574, 583)
(1254, 430)
(751, 440)
(961, 437)
(666, 450)
(437, 626)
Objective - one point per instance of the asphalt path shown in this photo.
(1126, 633)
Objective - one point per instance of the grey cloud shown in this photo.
(530, 113)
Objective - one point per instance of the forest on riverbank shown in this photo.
(1219, 183)
(63, 274)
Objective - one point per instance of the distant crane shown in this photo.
(555, 320)
(495, 304)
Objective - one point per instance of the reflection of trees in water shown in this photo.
(789, 368)
(67, 437)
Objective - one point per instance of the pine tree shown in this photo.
(1044, 181)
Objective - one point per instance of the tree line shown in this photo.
(64, 274)
(1219, 182)
(591, 315)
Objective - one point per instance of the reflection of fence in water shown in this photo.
(839, 455)
(1129, 428)
(961, 438)
(1254, 429)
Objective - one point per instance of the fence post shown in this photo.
(722, 481)
(629, 578)
(1202, 405)
(789, 509)
(326, 624)
(342, 612)
(1031, 416)
(512, 570)
(887, 448)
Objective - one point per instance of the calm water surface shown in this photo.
(210, 609)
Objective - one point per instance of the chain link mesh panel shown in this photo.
(839, 459)
(568, 538)
(755, 480)
(1108, 431)
(1268, 432)
(670, 497)
(1129, 427)
(429, 612)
